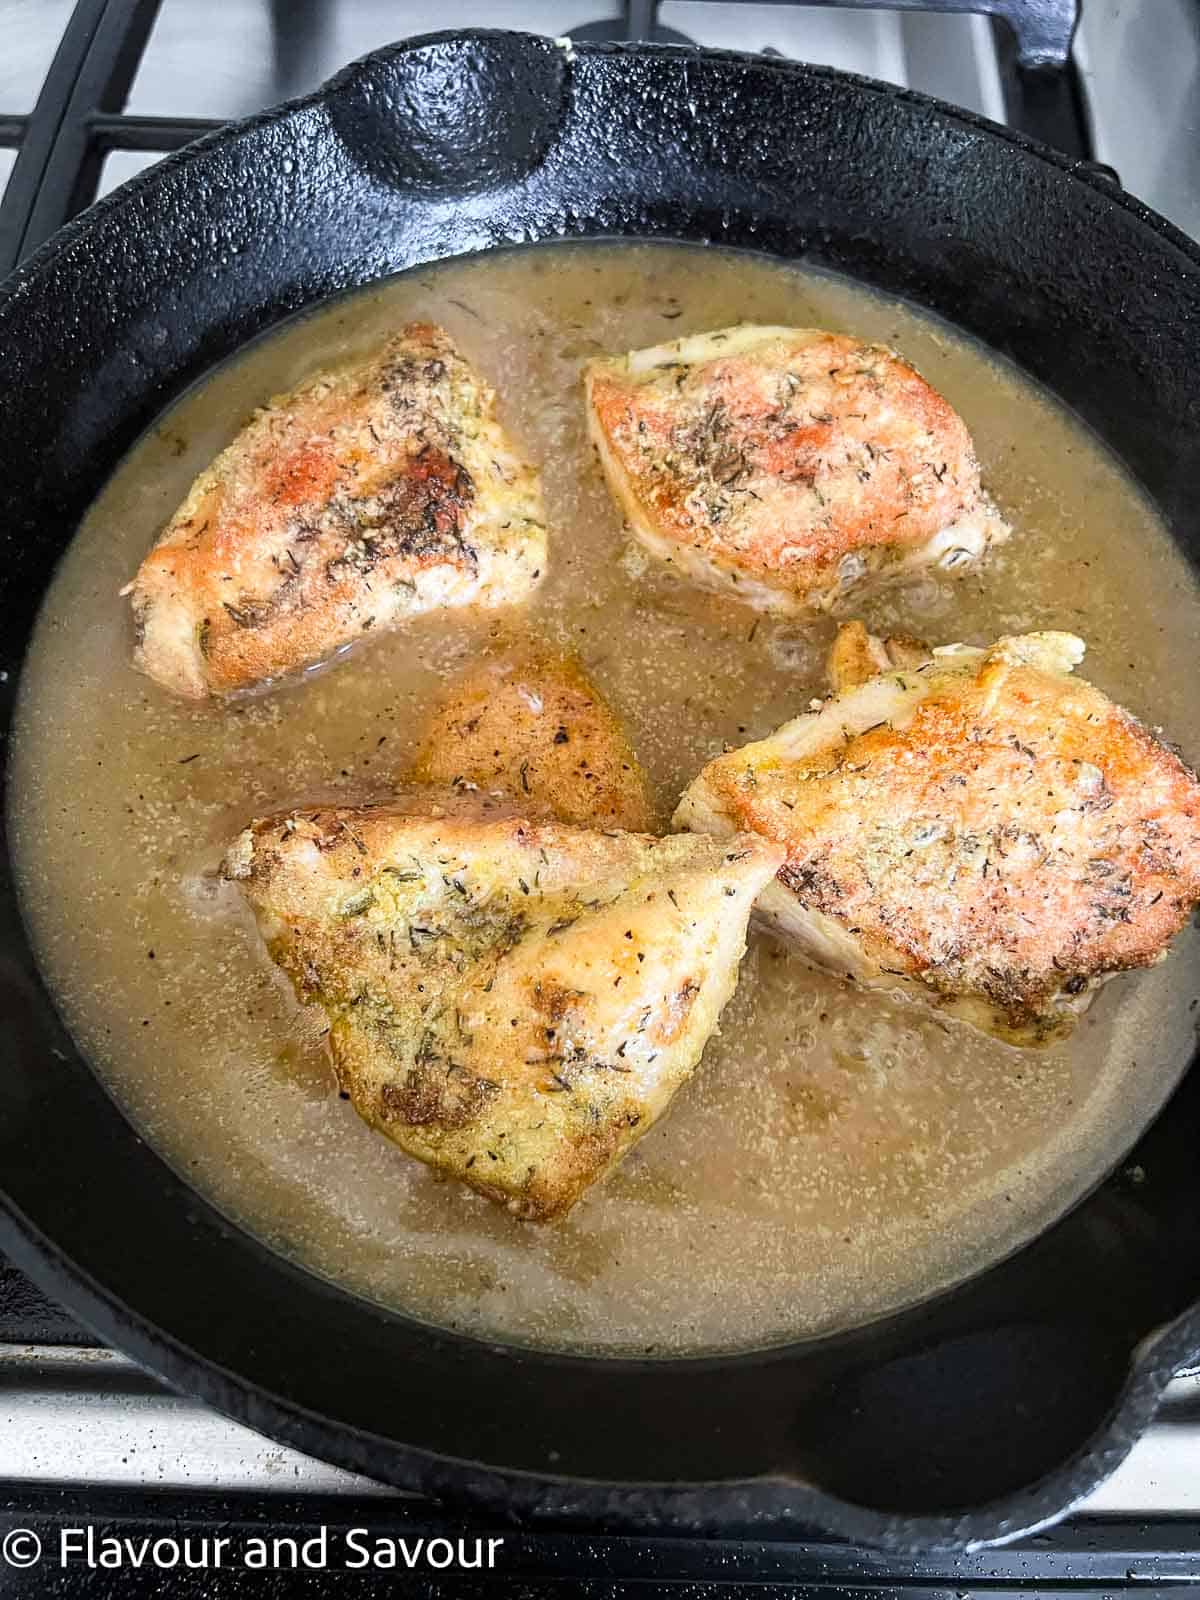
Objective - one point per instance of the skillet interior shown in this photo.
(389, 167)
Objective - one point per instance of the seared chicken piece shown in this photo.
(514, 1002)
(982, 828)
(787, 465)
(529, 724)
(368, 495)
(856, 655)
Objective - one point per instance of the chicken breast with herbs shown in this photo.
(978, 826)
(789, 466)
(366, 496)
(528, 723)
(514, 1002)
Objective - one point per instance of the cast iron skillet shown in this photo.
(982, 1414)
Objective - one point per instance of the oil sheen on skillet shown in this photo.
(837, 1155)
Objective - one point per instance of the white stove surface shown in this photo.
(91, 1416)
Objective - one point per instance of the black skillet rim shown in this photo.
(759, 1506)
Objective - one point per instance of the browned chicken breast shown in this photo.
(367, 495)
(528, 723)
(978, 826)
(514, 1002)
(787, 465)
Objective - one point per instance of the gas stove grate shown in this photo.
(77, 120)
(1115, 1558)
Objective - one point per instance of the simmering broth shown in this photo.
(837, 1154)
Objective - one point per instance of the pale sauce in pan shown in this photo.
(837, 1154)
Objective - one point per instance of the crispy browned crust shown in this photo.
(512, 1001)
(1015, 840)
(782, 465)
(365, 496)
(528, 723)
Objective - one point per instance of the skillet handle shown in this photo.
(453, 116)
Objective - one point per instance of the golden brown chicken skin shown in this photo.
(368, 495)
(788, 466)
(514, 1002)
(527, 722)
(980, 826)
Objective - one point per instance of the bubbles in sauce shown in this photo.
(836, 1155)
